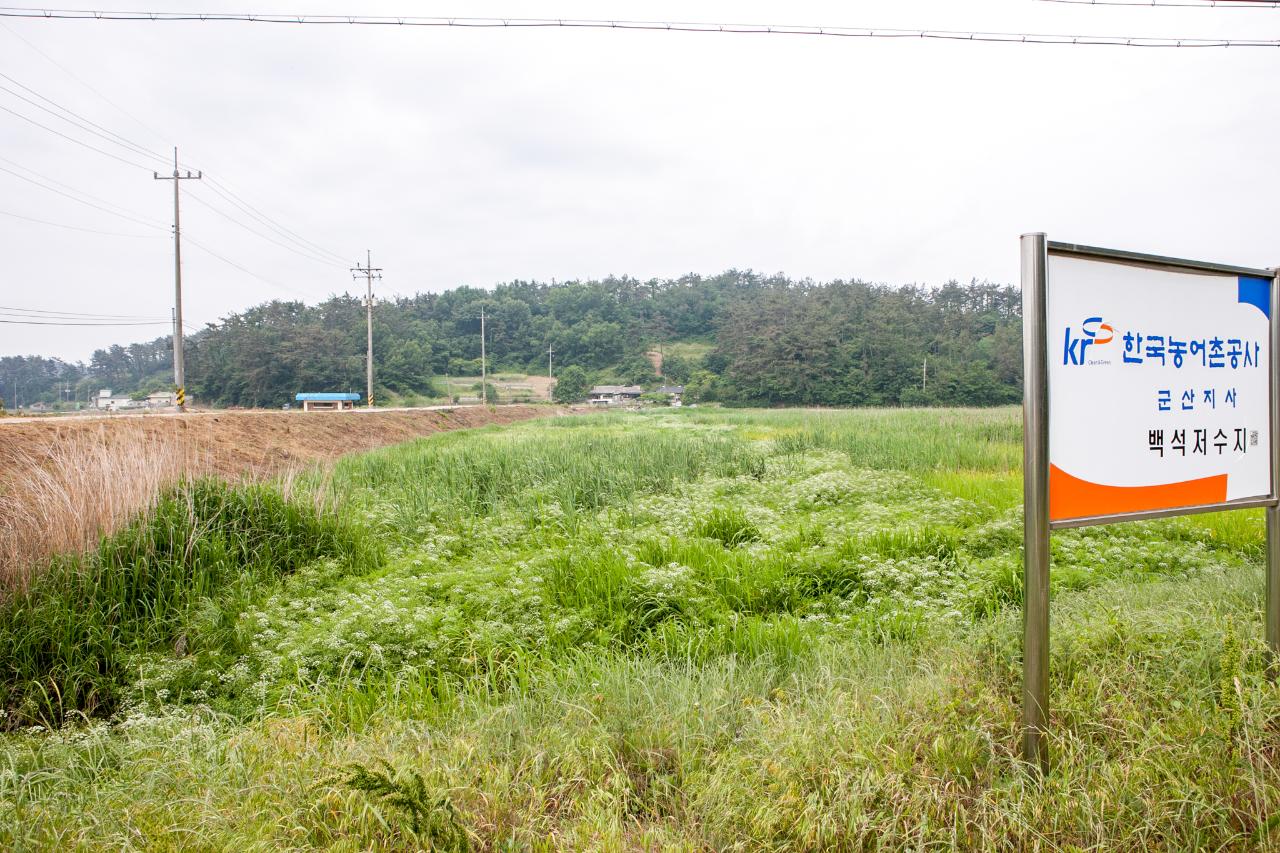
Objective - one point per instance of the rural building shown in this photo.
(615, 395)
(162, 399)
(674, 393)
(110, 402)
(327, 402)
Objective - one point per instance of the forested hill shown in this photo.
(738, 337)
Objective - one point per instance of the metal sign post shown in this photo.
(1273, 511)
(1035, 502)
(1146, 394)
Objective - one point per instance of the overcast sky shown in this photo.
(480, 156)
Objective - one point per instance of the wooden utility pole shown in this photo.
(370, 272)
(484, 367)
(179, 365)
(550, 379)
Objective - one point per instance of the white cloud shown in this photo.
(473, 157)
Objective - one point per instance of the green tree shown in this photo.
(702, 387)
(572, 385)
(638, 370)
(676, 369)
(490, 395)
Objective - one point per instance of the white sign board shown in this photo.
(1159, 387)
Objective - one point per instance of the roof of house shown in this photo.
(325, 397)
(671, 389)
(631, 390)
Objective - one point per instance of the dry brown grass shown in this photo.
(64, 484)
(87, 484)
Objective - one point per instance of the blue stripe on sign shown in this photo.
(1257, 292)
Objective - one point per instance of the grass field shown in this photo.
(689, 630)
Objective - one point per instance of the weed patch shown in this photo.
(190, 563)
(692, 630)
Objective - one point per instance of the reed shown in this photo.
(89, 485)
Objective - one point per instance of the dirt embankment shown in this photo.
(65, 482)
(236, 443)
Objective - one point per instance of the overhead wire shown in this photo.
(80, 142)
(640, 25)
(309, 256)
(40, 312)
(63, 323)
(219, 188)
(136, 219)
(74, 227)
(187, 238)
(78, 121)
(36, 317)
(304, 247)
(1204, 4)
(81, 81)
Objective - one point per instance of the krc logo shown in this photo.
(1093, 332)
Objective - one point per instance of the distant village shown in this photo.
(107, 400)
(602, 396)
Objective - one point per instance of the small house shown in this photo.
(675, 393)
(615, 395)
(111, 402)
(162, 400)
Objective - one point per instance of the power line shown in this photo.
(76, 141)
(81, 81)
(653, 26)
(78, 121)
(83, 324)
(77, 190)
(129, 217)
(74, 227)
(311, 256)
(139, 221)
(242, 269)
(230, 197)
(74, 314)
(225, 192)
(1203, 4)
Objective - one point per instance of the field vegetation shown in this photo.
(688, 629)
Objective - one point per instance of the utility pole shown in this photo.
(924, 375)
(484, 366)
(370, 272)
(179, 368)
(550, 379)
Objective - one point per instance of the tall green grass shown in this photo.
(554, 474)
(693, 630)
(67, 638)
(895, 439)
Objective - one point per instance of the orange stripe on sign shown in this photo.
(1071, 497)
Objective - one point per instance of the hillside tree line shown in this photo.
(760, 340)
